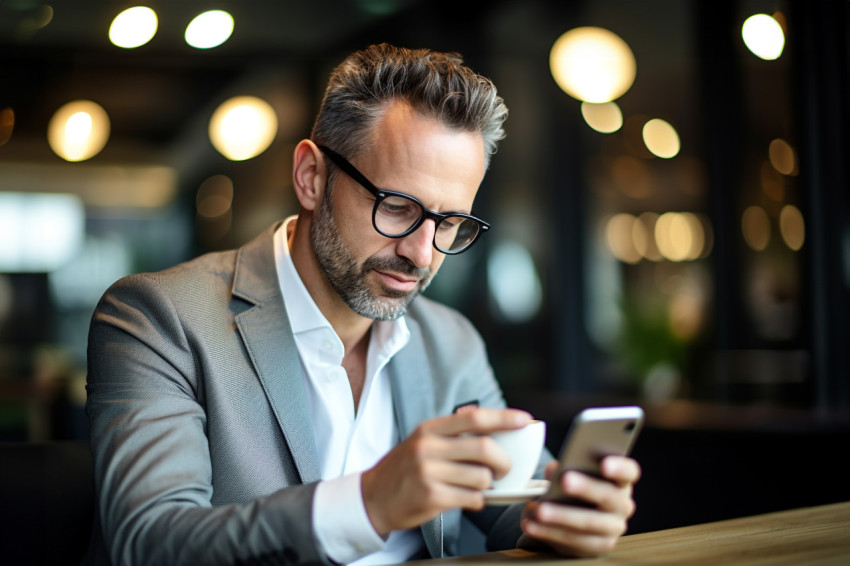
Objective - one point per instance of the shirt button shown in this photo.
(328, 345)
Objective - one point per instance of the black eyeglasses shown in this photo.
(396, 215)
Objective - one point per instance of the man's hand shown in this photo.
(444, 464)
(579, 531)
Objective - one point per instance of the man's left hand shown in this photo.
(592, 531)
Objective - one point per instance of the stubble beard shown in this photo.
(348, 278)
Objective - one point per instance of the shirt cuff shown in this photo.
(340, 522)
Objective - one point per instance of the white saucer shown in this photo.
(509, 496)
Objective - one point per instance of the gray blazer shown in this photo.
(200, 427)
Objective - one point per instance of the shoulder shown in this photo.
(208, 274)
(213, 274)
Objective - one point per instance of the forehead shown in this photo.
(419, 155)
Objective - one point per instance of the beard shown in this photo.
(348, 278)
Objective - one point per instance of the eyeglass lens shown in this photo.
(395, 215)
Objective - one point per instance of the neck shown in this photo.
(351, 327)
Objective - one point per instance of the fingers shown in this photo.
(463, 438)
(620, 470)
(579, 531)
(573, 531)
(602, 494)
(402, 491)
(613, 493)
(443, 485)
(473, 454)
(478, 421)
(459, 474)
(445, 463)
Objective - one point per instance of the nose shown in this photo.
(418, 246)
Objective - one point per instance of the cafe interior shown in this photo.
(670, 208)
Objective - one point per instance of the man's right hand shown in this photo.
(444, 464)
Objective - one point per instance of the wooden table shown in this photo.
(814, 535)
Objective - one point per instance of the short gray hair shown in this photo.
(437, 85)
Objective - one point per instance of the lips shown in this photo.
(397, 282)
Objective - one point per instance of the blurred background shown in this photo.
(670, 213)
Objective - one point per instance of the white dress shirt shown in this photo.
(349, 441)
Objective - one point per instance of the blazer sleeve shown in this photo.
(153, 471)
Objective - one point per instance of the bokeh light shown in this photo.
(214, 197)
(772, 182)
(133, 27)
(209, 29)
(243, 127)
(632, 177)
(7, 124)
(782, 156)
(674, 236)
(514, 283)
(755, 226)
(661, 138)
(763, 36)
(792, 227)
(619, 231)
(605, 118)
(79, 130)
(644, 236)
(592, 64)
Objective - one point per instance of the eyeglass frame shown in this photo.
(381, 194)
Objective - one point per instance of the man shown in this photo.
(288, 402)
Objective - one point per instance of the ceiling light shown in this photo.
(209, 29)
(133, 27)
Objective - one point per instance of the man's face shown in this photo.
(378, 277)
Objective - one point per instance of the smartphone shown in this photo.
(595, 433)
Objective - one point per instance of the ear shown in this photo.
(309, 174)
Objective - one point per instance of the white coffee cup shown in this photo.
(524, 446)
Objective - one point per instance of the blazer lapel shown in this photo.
(413, 401)
(271, 346)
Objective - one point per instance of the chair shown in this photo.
(47, 502)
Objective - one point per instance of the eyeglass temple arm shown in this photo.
(349, 169)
